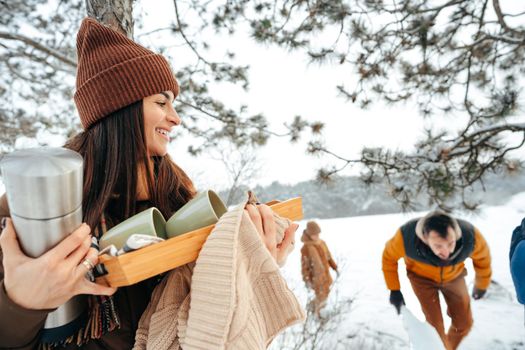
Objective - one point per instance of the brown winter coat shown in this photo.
(316, 261)
(19, 327)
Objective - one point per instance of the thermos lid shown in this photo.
(43, 183)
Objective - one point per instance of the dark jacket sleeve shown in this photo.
(19, 327)
(518, 235)
(517, 270)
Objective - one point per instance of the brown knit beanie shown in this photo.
(114, 71)
(312, 228)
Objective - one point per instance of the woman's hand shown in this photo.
(53, 278)
(263, 219)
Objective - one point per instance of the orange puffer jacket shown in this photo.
(408, 243)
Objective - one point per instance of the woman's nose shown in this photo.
(173, 117)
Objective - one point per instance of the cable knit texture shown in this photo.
(233, 298)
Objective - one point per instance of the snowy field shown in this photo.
(371, 322)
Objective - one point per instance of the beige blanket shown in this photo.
(233, 297)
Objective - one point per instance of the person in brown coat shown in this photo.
(124, 96)
(316, 262)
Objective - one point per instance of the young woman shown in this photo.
(124, 97)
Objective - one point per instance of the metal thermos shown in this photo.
(44, 193)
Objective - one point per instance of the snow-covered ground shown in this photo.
(372, 323)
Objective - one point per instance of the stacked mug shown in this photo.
(44, 193)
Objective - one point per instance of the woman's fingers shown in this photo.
(86, 263)
(287, 245)
(289, 236)
(263, 218)
(85, 286)
(70, 243)
(53, 278)
(268, 222)
(264, 221)
(78, 254)
(88, 287)
(10, 245)
(255, 216)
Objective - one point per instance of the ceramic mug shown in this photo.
(203, 210)
(147, 222)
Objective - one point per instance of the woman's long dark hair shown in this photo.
(114, 149)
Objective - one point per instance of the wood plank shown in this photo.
(144, 263)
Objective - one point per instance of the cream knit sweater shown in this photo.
(233, 297)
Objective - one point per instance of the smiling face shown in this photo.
(159, 119)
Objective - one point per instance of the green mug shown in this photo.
(147, 222)
(203, 210)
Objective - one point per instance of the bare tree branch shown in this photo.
(41, 47)
(220, 119)
(188, 42)
(501, 20)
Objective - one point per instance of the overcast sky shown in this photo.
(283, 85)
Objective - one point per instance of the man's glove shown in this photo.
(396, 299)
(478, 293)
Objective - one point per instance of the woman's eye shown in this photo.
(162, 104)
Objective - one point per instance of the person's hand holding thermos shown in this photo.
(53, 278)
(46, 248)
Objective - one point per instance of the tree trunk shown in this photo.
(117, 14)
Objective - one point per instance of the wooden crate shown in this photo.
(144, 263)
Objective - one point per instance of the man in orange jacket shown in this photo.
(434, 249)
